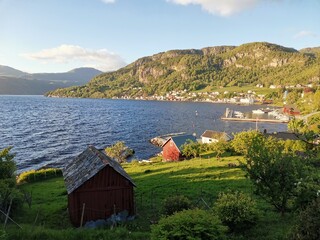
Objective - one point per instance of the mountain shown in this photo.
(16, 82)
(209, 68)
(78, 76)
(21, 86)
(10, 72)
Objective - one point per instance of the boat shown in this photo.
(274, 112)
(282, 117)
(238, 114)
(258, 111)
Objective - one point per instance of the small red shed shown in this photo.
(290, 110)
(97, 187)
(171, 149)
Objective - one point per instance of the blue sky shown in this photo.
(59, 35)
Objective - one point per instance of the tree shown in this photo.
(191, 149)
(219, 148)
(9, 194)
(119, 151)
(243, 140)
(7, 165)
(274, 174)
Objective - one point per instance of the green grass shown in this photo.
(200, 180)
(48, 206)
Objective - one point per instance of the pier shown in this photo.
(254, 120)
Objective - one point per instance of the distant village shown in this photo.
(246, 98)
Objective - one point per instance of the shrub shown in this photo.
(37, 175)
(308, 225)
(175, 204)
(236, 210)
(189, 224)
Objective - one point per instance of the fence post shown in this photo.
(7, 216)
(82, 213)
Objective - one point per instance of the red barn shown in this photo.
(97, 187)
(171, 149)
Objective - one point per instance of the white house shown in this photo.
(210, 136)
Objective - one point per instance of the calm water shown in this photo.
(53, 130)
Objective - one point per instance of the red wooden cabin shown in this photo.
(97, 187)
(171, 149)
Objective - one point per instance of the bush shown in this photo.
(236, 210)
(308, 226)
(37, 175)
(189, 224)
(175, 204)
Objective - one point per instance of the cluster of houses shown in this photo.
(214, 97)
(250, 97)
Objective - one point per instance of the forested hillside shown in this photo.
(210, 67)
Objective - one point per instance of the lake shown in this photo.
(52, 131)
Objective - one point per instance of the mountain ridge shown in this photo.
(14, 81)
(210, 67)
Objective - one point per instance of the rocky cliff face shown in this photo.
(193, 69)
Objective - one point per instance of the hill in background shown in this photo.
(204, 69)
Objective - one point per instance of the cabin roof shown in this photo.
(88, 164)
(284, 135)
(180, 140)
(215, 135)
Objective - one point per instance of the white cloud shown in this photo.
(305, 33)
(101, 59)
(220, 7)
(108, 1)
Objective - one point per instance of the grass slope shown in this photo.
(199, 179)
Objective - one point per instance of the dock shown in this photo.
(254, 120)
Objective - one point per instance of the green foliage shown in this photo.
(38, 175)
(7, 165)
(119, 151)
(273, 173)
(236, 210)
(292, 146)
(175, 204)
(191, 149)
(219, 148)
(48, 205)
(297, 126)
(189, 224)
(243, 140)
(195, 178)
(9, 194)
(308, 225)
(3, 235)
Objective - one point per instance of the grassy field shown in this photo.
(199, 179)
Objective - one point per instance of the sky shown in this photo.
(60, 35)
